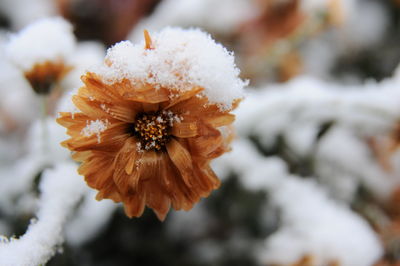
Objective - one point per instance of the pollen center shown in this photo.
(153, 129)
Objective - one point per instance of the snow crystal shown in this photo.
(95, 127)
(49, 39)
(181, 59)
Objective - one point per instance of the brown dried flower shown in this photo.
(43, 76)
(146, 145)
(42, 51)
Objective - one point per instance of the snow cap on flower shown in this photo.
(49, 39)
(180, 59)
(41, 51)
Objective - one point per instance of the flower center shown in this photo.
(153, 129)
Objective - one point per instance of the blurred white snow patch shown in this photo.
(314, 224)
(17, 97)
(47, 135)
(319, 56)
(260, 172)
(42, 149)
(219, 16)
(364, 26)
(396, 74)
(315, 6)
(86, 55)
(368, 109)
(4, 228)
(91, 217)
(343, 156)
(193, 224)
(17, 180)
(49, 39)
(181, 59)
(65, 104)
(296, 112)
(301, 141)
(207, 251)
(61, 188)
(23, 12)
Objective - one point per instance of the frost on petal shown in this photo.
(95, 127)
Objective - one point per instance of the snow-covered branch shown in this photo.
(61, 188)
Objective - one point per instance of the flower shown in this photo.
(43, 76)
(41, 51)
(146, 133)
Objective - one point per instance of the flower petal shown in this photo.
(209, 145)
(111, 139)
(196, 107)
(74, 122)
(184, 129)
(122, 174)
(219, 120)
(183, 96)
(141, 93)
(150, 107)
(96, 89)
(97, 169)
(126, 113)
(123, 111)
(150, 165)
(109, 192)
(134, 205)
(90, 108)
(156, 197)
(182, 159)
(206, 179)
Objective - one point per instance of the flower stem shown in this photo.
(45, 133)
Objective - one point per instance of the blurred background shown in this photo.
(320, 126)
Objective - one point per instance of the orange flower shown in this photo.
(42, 50)
(147, 145)
(43, 76)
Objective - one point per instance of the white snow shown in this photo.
(311, 222)
(85, 55)
(49, 39)
(296, 111)
(91, 217)
(181, 59)
(42, 148)
(220, 16)
(61, 188)
(22, 12)
(16, 94)
(95, 127)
